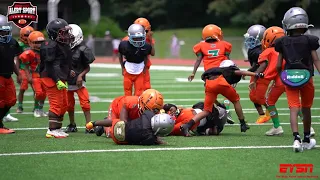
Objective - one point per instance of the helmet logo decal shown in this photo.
(22, 14)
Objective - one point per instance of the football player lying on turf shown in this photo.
(211, 125)
(144, 130)
(219, 80)
(130, 107)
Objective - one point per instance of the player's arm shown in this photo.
(279, 63)
(24, 57)
(263, 66)
(196, 66)
(47, 54)
(153, 50)
(16, 64)
(124, 114)
(249, 73)
(15, 67)
(315, 59)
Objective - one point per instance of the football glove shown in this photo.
(259, 75)
(61, 85)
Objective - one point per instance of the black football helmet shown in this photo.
(59, 30)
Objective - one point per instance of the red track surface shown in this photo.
(157, 61)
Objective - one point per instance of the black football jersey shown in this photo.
(7, 53)
(253, 56)
(133, 54)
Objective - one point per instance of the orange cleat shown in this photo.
(6, 131)
(262, 119)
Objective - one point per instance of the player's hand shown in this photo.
(252, 86)
(19, 79)
(72, 73)
(144, 69)
(259, 75)
(79, 81)
(61, 85)
(191, 77)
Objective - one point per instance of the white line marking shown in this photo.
(199, 80)
(82, 127)
(144, 149)
(103, 75)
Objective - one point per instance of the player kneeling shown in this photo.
(144, 130)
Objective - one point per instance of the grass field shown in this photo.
(192, 37)
(232, 155)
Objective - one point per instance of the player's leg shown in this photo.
(307, 96)
(7, 100)
(257, 96)
(294, 105)
(256, 105)
(39, 96)
(23, 88)
(275, 91)
(71, 127)
(127, 83)
(56, 105)
(147, 83)
(211, 88)
(83, 95)
(139, 84)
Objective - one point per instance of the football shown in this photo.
(22, 21)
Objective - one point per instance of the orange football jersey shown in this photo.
(31, 58)
(129, 102)
(213, 53)
(271, 56)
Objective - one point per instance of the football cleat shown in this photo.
(275, 131)
(55, 134)
(71, 128)
(262, 119)
(37, 113)
(5, 130)
(309, 145)
(297, 146)
(244, 127)
(312, 132)
(229, 118)
(10, 118)
(89, 131)
(19, 110)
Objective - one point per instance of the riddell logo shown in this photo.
(296, 171)
(295, 77)
(22, 14)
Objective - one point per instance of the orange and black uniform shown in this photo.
(296, 51)
(133, 72)
(82, 57)
(183, 118)
(55, 65)
(220, 81)
(136, 132)
(8, 51)
(32, 58)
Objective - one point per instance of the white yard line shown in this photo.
(82, 127)
(145, 149)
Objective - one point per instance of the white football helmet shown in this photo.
(137, 35)
(76, 31)
(162, 124)
(227, 63)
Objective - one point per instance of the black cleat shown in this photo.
(244, 127)
(91, 131)
(99, 130)
(71, 128)
(185, 130)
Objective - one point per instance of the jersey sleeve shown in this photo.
(278, 45)
(197, 49)
(264, 56)
(25, 57)
(228, 48)
(122, 47)
(130, 102)
(88, 56)
(314, 42)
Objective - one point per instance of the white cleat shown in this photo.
(37, 113)
(310, 145)
(312, 132)
(42, 113)
(275, 131)
(63, 133)
(297, 146)
(55, 134)
(10, 118)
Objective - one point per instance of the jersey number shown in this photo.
(213, 53)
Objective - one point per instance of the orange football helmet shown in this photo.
(35, 39)
(152, 100)
(24, 33)
(212, 31)
(270, 35)
(143, 22)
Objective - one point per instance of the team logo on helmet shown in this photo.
(22, 14)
